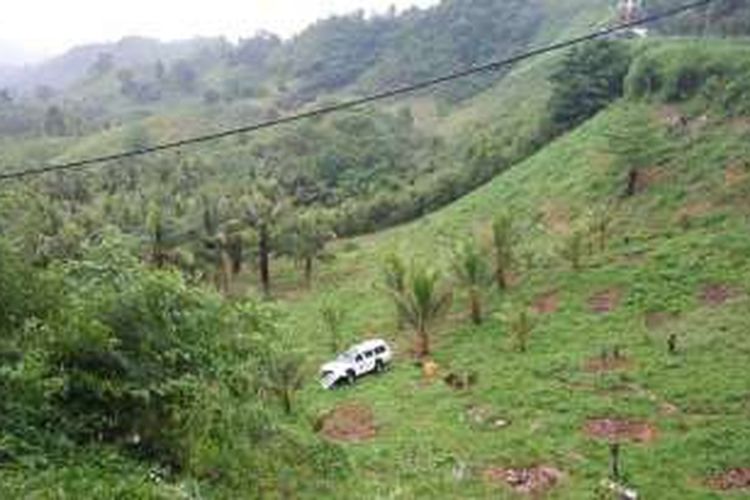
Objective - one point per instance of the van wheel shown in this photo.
(351, 377)
(379, 366)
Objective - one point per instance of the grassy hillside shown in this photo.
(675, 263)
(123, 378)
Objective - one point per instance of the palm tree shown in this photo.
(394, 278)
(520, 324)
(219, 237)
(263, 209)
(572, 249)
(310, 233)
(281, 374)
(421, 304)
(600, 220)
(503, 242)
(471, 271)
(159, 244)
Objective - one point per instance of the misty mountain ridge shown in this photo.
(74, 65)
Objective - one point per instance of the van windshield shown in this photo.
(347, 356)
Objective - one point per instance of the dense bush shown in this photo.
(139, 362)
(727, 18)
(675, 73)
(589, 78)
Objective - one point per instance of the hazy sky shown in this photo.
(51, 26)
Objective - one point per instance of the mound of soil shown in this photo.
(604, 301)
(733, 479)
(547, 303)
(608, 364)
(735, 174)
(715, 294)
(656, 319)
(350, 422)
(461, 381)
(615, 430)
(530, 480)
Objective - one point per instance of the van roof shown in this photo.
(370, 344)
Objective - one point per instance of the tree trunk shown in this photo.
(423, 343)
(263, 260)
(224, 270)
(476, 307)
(236, 253)
(632, 187)
(287, 399)
(308, 271)
(502, 282)
(614, 461)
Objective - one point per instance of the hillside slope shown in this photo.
(675, 263)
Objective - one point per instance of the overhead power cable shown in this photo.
(405, 89)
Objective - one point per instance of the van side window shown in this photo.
(358, 358)
(380, 350)
(369, 354)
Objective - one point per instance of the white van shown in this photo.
(367, 357)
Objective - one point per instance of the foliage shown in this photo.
(472, 273)
(675, 73)
(589, 78)
(110, 370)
(728, 18)
(332, 315)
(422, 302)
(573, 249)
(600, 223)
(135, 361)
(520, 324)
(635, 142)
(263, 208)
(394, 273)
(504, 241)
(281, 372)
(455, 33)
(306, 240)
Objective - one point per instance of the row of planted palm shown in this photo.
(231, 231)
(422, 296)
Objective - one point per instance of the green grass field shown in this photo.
(676, 263)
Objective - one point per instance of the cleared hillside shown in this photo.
(675, 263)
(126, 374)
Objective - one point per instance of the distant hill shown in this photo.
(78, 63)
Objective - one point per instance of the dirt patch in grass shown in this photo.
(657, 319)
(556, 218)
(735, 174)
(547, 303)
(616, 430)
(671, 116)
(350, 422)
(694, 210)
(529, 480)
(715, 294)
(648, 177)
(740, 125)
(601, 364)
(733, 479)
(605, 301)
